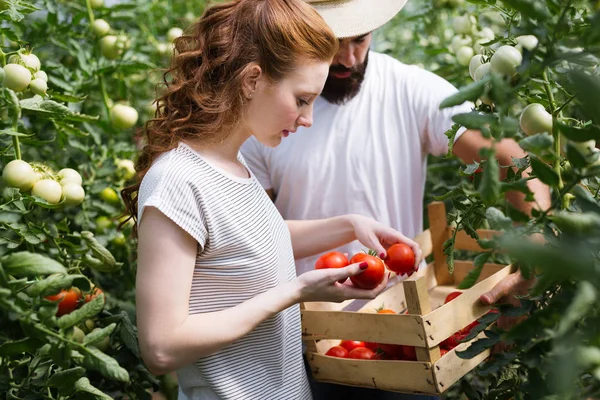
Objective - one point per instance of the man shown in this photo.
(374, 125)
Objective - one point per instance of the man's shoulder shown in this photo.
(387, 67)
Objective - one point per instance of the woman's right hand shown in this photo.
(323, 285)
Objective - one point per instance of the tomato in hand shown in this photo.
(372, 276)
(333, 259)
(351, 344)
(68, 300)
(400, 259)
(337, 351)
(361, 353)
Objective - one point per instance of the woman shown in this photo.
(217, 293)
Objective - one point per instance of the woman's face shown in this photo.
(276, 110)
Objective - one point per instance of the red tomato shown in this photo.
(386, 311)
(334, 259)
(467, 329)
(452, 341)
(409, 353)
(351, 344)
(477, 171)
(93, 294)
(400, 259)
(390, 351)
(68, 300)
(337, 351)
(372, 276)
(452, 296)
(361, 353)
(443, 352)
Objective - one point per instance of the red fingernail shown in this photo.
(363, 265)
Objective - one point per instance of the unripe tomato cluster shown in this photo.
(23, 72)
(63, 187)
(400, 259)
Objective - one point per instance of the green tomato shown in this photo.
(16, 77)
(103, 223)
(126, 168)
(89, 325)
(463, 24)
(535, 119)
(528, 42)
(109, 195)
(586, 148)
(109, 47)
(78, 335)
(103, 344)
(464, 55)
(123, 116)
(119, 239)
(41, 75)
(19, 174)
(97, 3)
(482, 71)
(29, 61)
(506, 60)
(73, 194)
(69, 175)
(100, 27)
(47, 189)
(458, 42)
(174, 33)
(38, 86)
(476, 62)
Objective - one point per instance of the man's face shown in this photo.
(347, 70)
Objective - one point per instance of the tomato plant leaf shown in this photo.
(489, 189)
(530, 8)
(536, 144)
(66, 378)
(52, 285)
(97, 335)
(25, 263)
(468, 93)
(474, 120)
(477, 347)
(497, 219)
(105, 364)
(473, 275)
(576, 134)
(543, 171)
(15, 347)
(585, 297)
(128, 334)
(83, 385)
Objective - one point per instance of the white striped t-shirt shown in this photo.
(244, 249)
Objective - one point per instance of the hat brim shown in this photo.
(351, 18)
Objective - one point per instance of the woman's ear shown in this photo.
(252, 75)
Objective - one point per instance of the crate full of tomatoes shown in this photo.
(406, 339)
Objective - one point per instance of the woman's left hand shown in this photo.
(379, 237)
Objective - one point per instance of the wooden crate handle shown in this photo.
(418, 302)
(440, 232)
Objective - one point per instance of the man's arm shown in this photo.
(467, 148)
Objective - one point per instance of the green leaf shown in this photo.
(448, 247)
(97, 335)
(498, 220)
(535, 9)
(15, 347)
(490, 182)
(53, 109)
(474, 120)
(536, 144)
(14, 133)
(66, 378)
(586, 89)
(25, 263)
(106, 365)
(585, 298)
(543, 171)
(83, 385)
(576, 134)
(456, 192)
(468, 93)
(575, 157)
(128, 334)
(477, 347)
(52, 285)
(581, 224)
(88, 310)
(586, 201)
(473, 275)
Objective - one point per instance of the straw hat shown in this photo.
(349, 18)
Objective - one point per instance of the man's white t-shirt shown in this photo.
(368, 156)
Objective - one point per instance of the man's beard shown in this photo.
(340, 90)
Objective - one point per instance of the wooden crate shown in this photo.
(429, 322)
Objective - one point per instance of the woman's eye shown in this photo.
(302, 102)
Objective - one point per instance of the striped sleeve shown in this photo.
(167, 189)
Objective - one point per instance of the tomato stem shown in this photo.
(105, 98)
(15, 139)
(89, 11)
